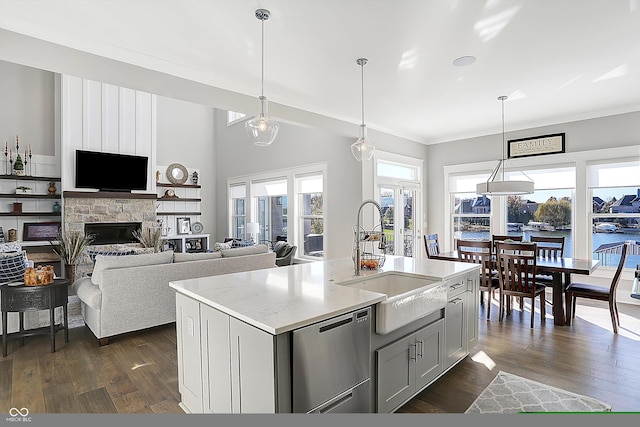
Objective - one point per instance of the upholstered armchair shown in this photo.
(284, 253)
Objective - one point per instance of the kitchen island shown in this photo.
(241, 342)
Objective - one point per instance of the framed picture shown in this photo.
(536, 146)
(184, 225)
(40, 231)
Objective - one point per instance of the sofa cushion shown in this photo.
(220, 246)
(248, 250)
(10, 247)
(88, 293)
(109, 262)
(197, 256)
(12, 266)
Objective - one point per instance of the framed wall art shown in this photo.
(183, 225)
(536, 146)
(40, 231)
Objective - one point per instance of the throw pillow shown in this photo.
(220, 246)
(13, 266)
(10, 247)
(182, 257)
(93, 254)
(108, 262)
(247, 250)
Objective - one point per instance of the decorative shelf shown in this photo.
(178, 213)
(30, 178)
(177, 199)
(29, 196)
(169, 185)
(29, 213)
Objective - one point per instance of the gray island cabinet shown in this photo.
(251, 342)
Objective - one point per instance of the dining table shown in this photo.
(557, 268)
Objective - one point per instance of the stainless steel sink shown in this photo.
(409, 297)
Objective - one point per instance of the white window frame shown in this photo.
(234, 117)
(293, 227)
(300, 216)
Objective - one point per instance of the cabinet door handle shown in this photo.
(455, 301)
(412, 347)
(420, 348)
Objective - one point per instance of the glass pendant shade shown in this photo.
(262, 131)
(362, 149)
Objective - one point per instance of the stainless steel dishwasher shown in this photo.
(331, 365)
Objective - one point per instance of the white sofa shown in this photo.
(130, 293)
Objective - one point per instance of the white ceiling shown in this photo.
(557, 61)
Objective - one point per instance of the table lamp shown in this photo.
(252, 229)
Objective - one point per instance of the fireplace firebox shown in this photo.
(109, 233)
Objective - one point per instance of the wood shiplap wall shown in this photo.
(103, 117)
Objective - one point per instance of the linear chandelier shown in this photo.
(262, 131)
(496, 184)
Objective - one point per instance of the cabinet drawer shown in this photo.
(456, 286)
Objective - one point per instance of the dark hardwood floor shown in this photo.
(137, 372)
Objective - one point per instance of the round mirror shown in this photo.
(177, 174)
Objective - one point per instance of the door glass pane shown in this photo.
(387, 203)
(409, 222)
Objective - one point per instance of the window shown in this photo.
(238, 210)
(311, 215)
(471, 213)
(271, 200)
(615, 212)
(234, 117)
(549, 210)
(267, 198)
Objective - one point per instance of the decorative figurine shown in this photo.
(52, 188)
(194, 177)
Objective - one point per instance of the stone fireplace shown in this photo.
(114, 215)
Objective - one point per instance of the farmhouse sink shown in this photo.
(409, 298)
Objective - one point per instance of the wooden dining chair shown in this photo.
(479, 252)
(495, 238)
(431, 245)
(587, 290)
(517, 276)
(549, 247)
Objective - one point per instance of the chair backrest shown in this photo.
(478, 252)
(549, 247)
(431, 244)
(517, 267)
(500, 238)
(618, 274)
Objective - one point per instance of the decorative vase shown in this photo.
(56, 207)
(70, 272)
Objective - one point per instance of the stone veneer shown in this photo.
(87, 209)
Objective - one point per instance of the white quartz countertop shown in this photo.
(282, 299)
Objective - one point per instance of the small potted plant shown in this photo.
(150, 239)
(70, 246)
(23, 190)
(18, 166)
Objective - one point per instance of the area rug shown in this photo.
(509, 394)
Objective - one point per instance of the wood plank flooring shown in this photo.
(137, 372)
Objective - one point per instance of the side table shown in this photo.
(21, 298)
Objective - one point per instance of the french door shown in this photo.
(400, 205)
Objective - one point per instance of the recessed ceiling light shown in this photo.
(464, 61)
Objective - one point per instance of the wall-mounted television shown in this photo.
(111, 171)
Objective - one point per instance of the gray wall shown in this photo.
(621, 130)
(27, 108)
(185, 135)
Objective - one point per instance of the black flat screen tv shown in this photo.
(111, 171)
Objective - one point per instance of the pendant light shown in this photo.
(496, 184)
(261, 130)
(362, 149)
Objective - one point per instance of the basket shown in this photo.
(39, 276)
(371, 261)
